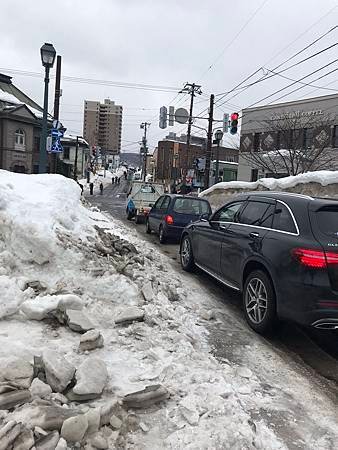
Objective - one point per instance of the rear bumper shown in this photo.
(173, 231)
(314, 306)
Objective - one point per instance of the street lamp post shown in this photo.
(48, 54)
(218, 138)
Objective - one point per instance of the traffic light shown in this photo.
(225, 123)
(163, 117)
(94, 152)
(234, 123)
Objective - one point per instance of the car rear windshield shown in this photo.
(147, 189)
(191, 206)
(327, 219)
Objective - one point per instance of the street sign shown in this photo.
(181, 115)
(56, 133)
(171, 116)
(56, 147)
(56, 124)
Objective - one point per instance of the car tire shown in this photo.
(162, 235)
(148, 229)
(186, 255)
(259, 302)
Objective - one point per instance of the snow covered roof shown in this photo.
(323, 177)
(72, 138)
(10, 95)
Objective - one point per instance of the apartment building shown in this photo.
(102, 125)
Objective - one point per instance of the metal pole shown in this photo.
(75, 162)
(57, 96)
(217, 163)
(43, 138)
(190, 115)
(209, 143)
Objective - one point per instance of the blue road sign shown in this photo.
(56, 133)
(56, 147)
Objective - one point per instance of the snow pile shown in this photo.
(322, 183)
(116, 338)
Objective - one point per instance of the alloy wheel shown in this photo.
(256, 300)
(185, 252)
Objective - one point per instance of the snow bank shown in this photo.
(323, 183)
(33, 209)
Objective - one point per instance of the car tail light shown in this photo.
(314, 258)
(327, 304)
(169, 219)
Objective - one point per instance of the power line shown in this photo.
(120, 84)
(297, 81)
(235, 37)
(305, 84)
(302, 87)
(264, 78)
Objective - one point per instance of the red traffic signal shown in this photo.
(234, 123)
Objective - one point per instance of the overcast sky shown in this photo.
(166, 43)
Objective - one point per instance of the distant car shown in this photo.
(280, 250)
(141, 197)
(172, 212)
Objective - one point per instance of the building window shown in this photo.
(278, 140)
(65, 152)
(335, 137)
(257, 142)
(307, 137)
(36, 147)
(20, 139)
(254, 174)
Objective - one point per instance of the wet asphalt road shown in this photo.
(317, 350)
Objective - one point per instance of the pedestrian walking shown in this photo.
(101, 188)
(112, 180)
(118, 180)
(91, 188)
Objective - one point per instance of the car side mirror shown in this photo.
(151, 205)
(205, 217)
(278, 211)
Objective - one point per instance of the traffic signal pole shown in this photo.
(192, 89)
(144, 125)
(209, 142)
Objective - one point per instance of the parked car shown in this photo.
(280, 250)
(171, 213)
(141, 197)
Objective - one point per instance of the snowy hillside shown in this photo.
(104, 345)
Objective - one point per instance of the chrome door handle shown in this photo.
(254, 235)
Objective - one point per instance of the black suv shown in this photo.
(279, 249)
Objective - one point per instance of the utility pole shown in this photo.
(192, 89)
(144, 126)
(209, 142)
(76, 154)
(56, 107)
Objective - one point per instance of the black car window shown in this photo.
(283, 220)
(267, 219)
(227, 213)
(159, 202)
(253, 213)
(327, 219)
(165, 204)
(191, 206)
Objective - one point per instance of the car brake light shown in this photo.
(314, 258)
(169, 220)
